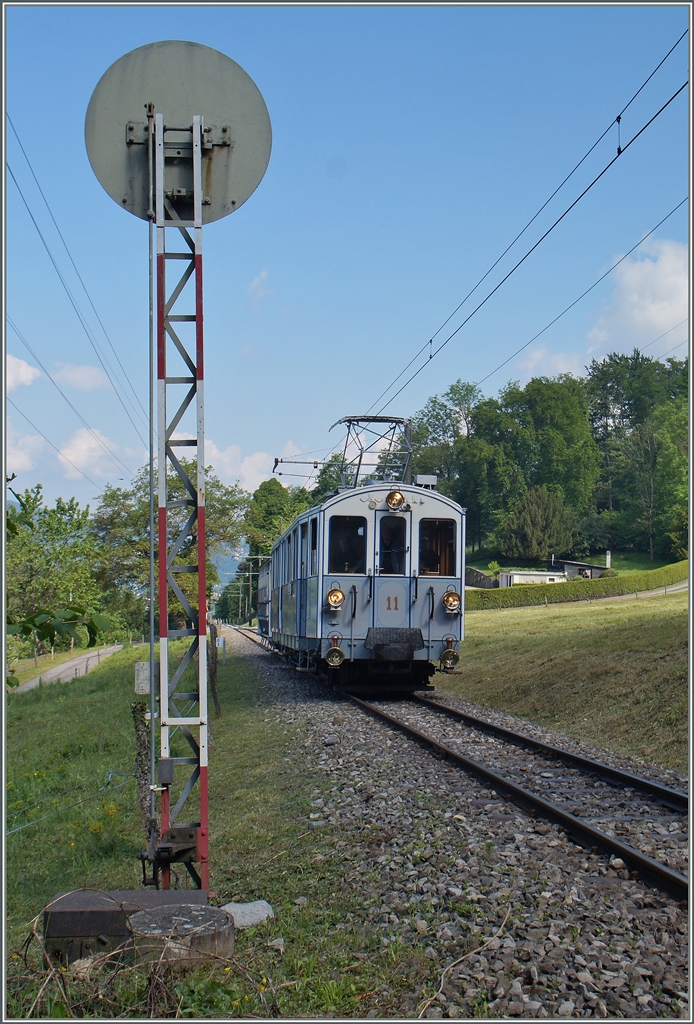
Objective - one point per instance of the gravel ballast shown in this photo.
(541, 927)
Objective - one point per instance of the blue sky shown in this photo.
(410, 145)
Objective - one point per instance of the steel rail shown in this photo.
(673, 798)
(586, 835)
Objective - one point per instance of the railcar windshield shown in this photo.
(392, 546)
(437, 547)
(347, 544)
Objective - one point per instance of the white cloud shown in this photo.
(249, 470)
(540, 362)
(23, 450)
(258, 289)
(85, 453)
(650, 296)
(83, 378)
(19, 373)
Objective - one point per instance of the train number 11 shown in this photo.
(395, 604)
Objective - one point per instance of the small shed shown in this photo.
(509, 577)
(584, 569)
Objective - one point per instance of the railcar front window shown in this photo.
(392, 546)
(437, 547)
(347, 545)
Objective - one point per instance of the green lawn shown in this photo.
(613, 673)
(634, 561)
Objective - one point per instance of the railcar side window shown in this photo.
(347, 545)
(304, 539)
(392, 546)
(314, 547)
(437, 547)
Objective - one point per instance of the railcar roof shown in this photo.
(378, 485)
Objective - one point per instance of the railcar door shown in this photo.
(392, 558)
(437, 565)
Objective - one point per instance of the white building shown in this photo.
(509, 577)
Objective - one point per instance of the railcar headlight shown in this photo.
(335, 597)
(449, 657)
(335, 655)
(452, 601)
(395, 500)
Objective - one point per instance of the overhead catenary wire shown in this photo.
(616, 120)
(48, 441)
(79, 276)
(675, 348)
(536, 244)
(76, 308)
(665, 334)
(581, 296)
(106, 449)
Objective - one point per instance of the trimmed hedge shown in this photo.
(583, 590)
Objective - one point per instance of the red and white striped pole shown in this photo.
(168, 328)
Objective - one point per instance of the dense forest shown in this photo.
(566, 465)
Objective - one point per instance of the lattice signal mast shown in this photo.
(197, 155)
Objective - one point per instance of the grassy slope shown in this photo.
(610, 673)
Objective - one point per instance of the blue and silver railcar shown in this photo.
(369, 585)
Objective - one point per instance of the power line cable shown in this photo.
(616, 120)
(675, 348)
(107, 450)
(665, 334)
(522, 260)
(69, 807)
(581, 296)
(76, 307)
(79, 276)
(34, 427)
(64, 792)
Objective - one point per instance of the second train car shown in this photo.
(369, 585)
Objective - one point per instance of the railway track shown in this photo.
(603, 808)
(596, 822)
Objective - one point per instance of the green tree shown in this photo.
(652, 465)
(50, 591)
(49, 564)
(329, 479)
(487, 480)
(671, 427)
(228, 605)
(539, 526)
(120, 527)
(624, 391)
(438, 429)
(271, 510)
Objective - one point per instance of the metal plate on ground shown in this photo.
(181, 79)
(88, 921)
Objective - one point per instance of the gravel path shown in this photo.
(453, 867)
(67, 670)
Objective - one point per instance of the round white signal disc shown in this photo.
(181, 79)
